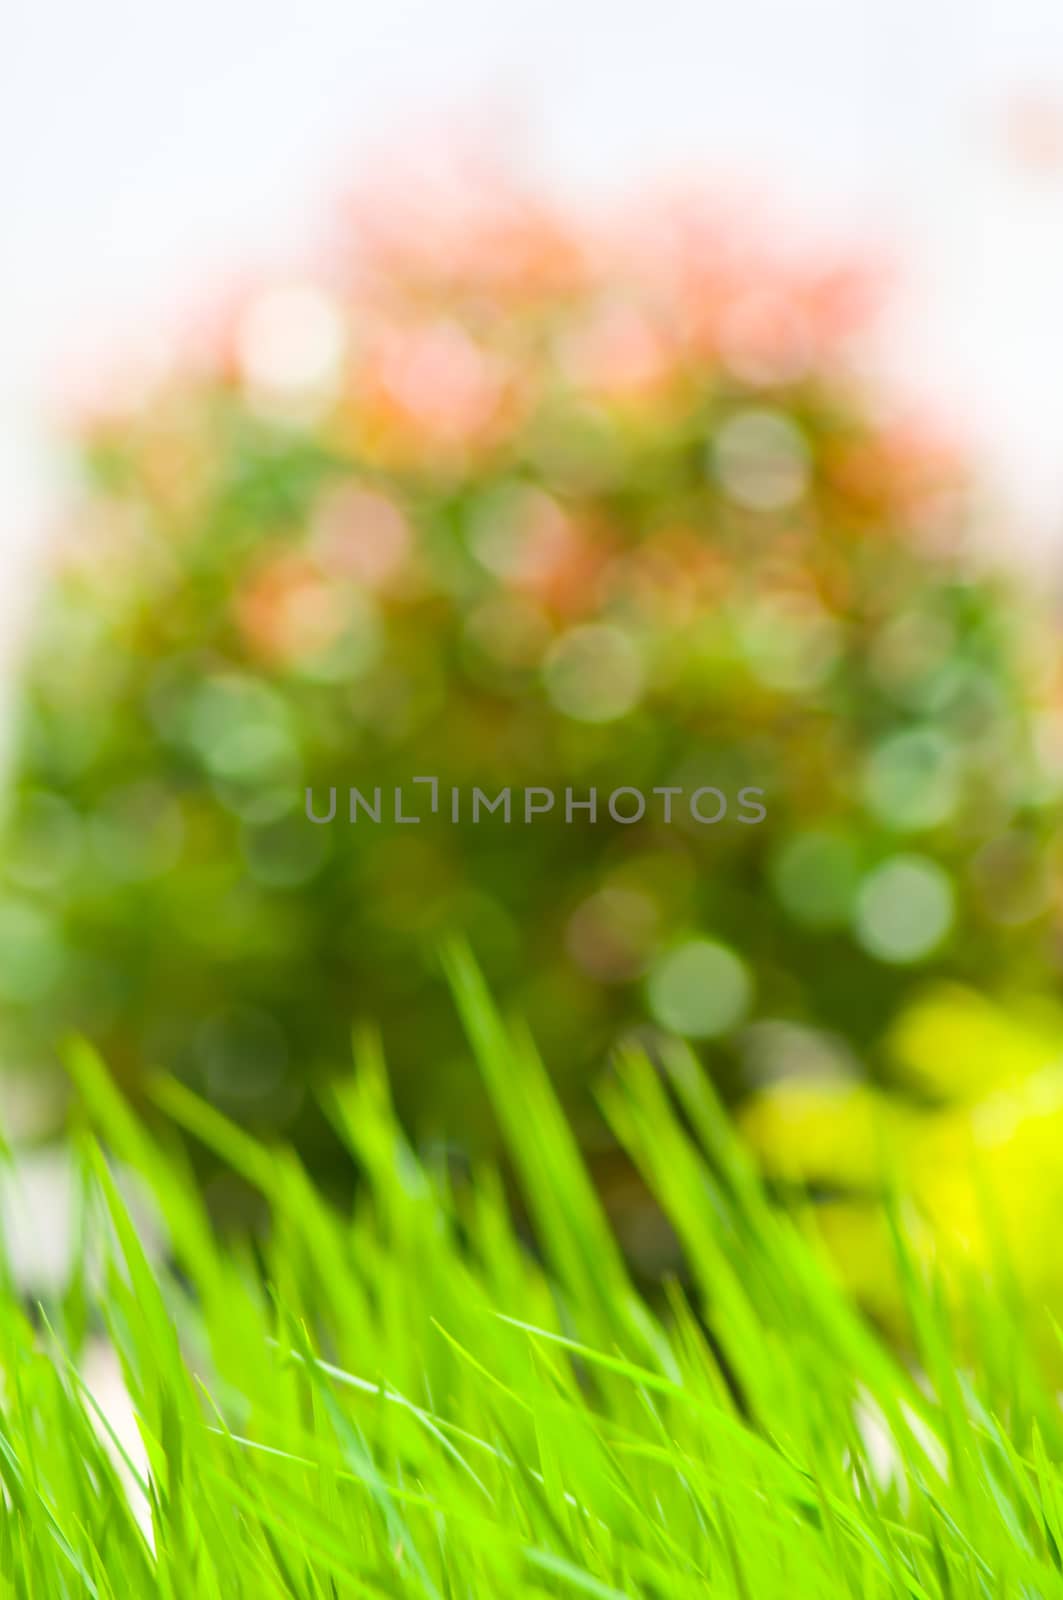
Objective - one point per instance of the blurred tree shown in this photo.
(511, 499)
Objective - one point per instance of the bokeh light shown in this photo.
(700, 989)
(816, 875)
(761, 460)
(594, 673)
(905, 909)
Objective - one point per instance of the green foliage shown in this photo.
(526, 505)
(410, 1398)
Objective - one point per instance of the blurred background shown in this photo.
(146, 155)
(384, 387)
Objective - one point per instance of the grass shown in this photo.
(411, 1400)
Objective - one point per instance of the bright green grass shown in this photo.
(409, 1400)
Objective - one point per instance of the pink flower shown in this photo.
(432, 385)
(287, 612)
(363, 535)
(619, 354)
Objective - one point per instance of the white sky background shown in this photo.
(148, 151)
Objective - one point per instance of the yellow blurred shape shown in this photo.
(988, 1179)
(959, 1045)
(857, 1239)
(835, 1133)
